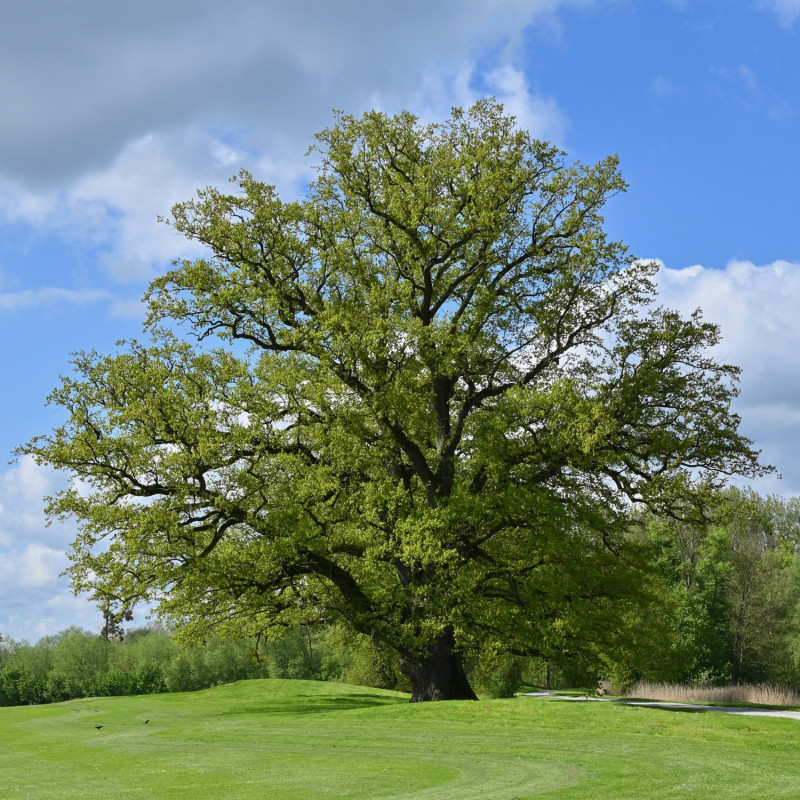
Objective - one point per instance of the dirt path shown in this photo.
(743, 710)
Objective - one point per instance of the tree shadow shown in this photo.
(301, 704)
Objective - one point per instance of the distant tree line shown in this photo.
(731, 592)
(75, 663)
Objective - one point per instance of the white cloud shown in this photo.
(55, 297)
(441, 89)
(22, 489)
(756, 307)
(540, 115)
(37, 565)
(50, 296)
(116, 118)
(86, 80)
(115, 209)
(44, 613)
(148, 176)
(34, 596)
(787, 10)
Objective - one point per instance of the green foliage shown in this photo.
(370, 664)
(141, 662)
(213, 663)
(438, 389)
(296, 653)
(497, 674)
(79, 661)
(24, 675)
(732, 582)
(78, 664)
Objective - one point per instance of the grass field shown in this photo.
(297, 740)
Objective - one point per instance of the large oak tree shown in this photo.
(419, 401)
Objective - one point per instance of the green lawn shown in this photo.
(306, 741)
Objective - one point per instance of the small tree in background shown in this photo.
(113, 619)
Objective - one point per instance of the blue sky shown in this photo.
(113, 112)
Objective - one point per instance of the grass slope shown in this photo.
(285, 740)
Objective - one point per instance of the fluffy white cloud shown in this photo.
(85, 80)
(540, 115)
(756, 307)
(35, 599)
(32, 555)
(30, 615)
(115, 209)
(122, 111)
(35, 566)
(22, 519)
(145, 179)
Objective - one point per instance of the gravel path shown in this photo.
(744, 711)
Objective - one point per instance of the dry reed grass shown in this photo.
(764, 694)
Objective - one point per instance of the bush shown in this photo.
(213, 663)
(496, 674)
(359, 660)
(80, 661)
(291, 654)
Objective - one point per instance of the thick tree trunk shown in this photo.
(439, 675)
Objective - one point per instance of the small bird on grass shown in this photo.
(98, 727)
(146, 721)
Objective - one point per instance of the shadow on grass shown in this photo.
(315, 704)
(672, 709)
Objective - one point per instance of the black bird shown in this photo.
(146, 721)
(98, 727)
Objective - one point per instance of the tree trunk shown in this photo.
(439, 675)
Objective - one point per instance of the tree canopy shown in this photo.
(420, 401)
